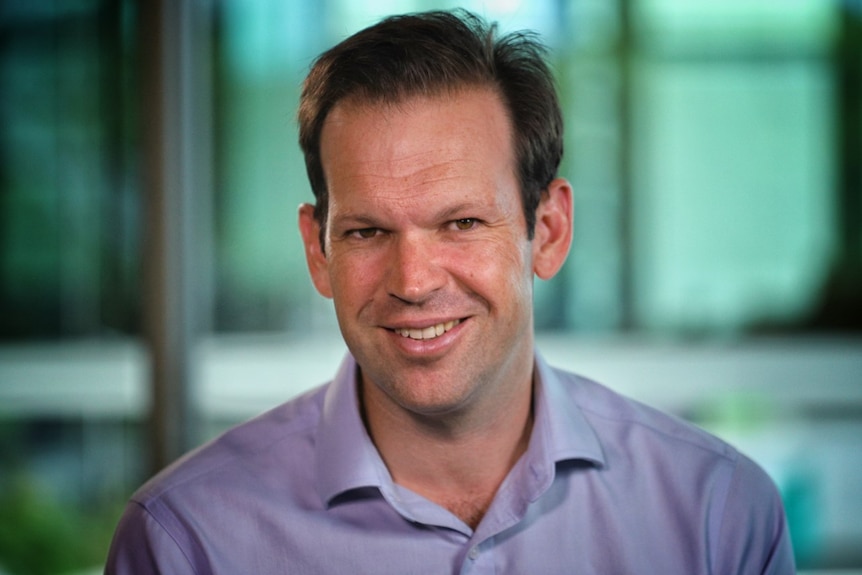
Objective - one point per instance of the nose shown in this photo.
(415, 270)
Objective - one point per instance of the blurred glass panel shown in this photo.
(735, 185)
(586, 296)
(68, 242)
(735, 192)
(732, 25)
(262, 50)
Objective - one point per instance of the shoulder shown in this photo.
(671, 452)
(287, 431)
(219, 491)
(621, 421)
(661, 461)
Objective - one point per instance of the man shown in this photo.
(445, 444)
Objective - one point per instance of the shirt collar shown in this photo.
(561, 432)
(348, 460)
(346, 456)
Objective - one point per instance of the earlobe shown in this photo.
(553, 235)
(318, 267)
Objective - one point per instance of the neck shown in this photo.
(458, 460)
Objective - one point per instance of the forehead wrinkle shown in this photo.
(404, 185)
(403, 157)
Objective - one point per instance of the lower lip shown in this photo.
(428, 347)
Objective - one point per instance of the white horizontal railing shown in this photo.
(237, 376)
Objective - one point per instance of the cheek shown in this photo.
(353, 275)
(499, 272)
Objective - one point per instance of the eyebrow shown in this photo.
(459, 209)
(355, 219)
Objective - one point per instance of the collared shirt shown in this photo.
(606, 486)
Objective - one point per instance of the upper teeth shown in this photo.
(428, 332)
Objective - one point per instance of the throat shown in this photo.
(469, 510)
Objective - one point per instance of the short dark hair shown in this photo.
(427, 54)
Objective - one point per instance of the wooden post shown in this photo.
(175, 141)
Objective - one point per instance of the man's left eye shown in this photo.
(364, 233)
(465, 223)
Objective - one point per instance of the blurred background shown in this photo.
(152, 283)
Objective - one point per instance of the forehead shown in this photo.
(468, 129)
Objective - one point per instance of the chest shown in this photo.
(559, 533)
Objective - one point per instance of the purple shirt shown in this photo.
(607, 486)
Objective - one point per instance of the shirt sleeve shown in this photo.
(142, 546)
(754, 537)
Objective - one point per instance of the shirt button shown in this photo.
(474, 553)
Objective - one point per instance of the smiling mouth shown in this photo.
(429, 332)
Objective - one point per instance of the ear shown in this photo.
(314, 256)
(553, 234)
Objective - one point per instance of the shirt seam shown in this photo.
(734, 478)
(168, 532)
(728, 453)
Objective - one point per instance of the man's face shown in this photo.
(427, 258)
